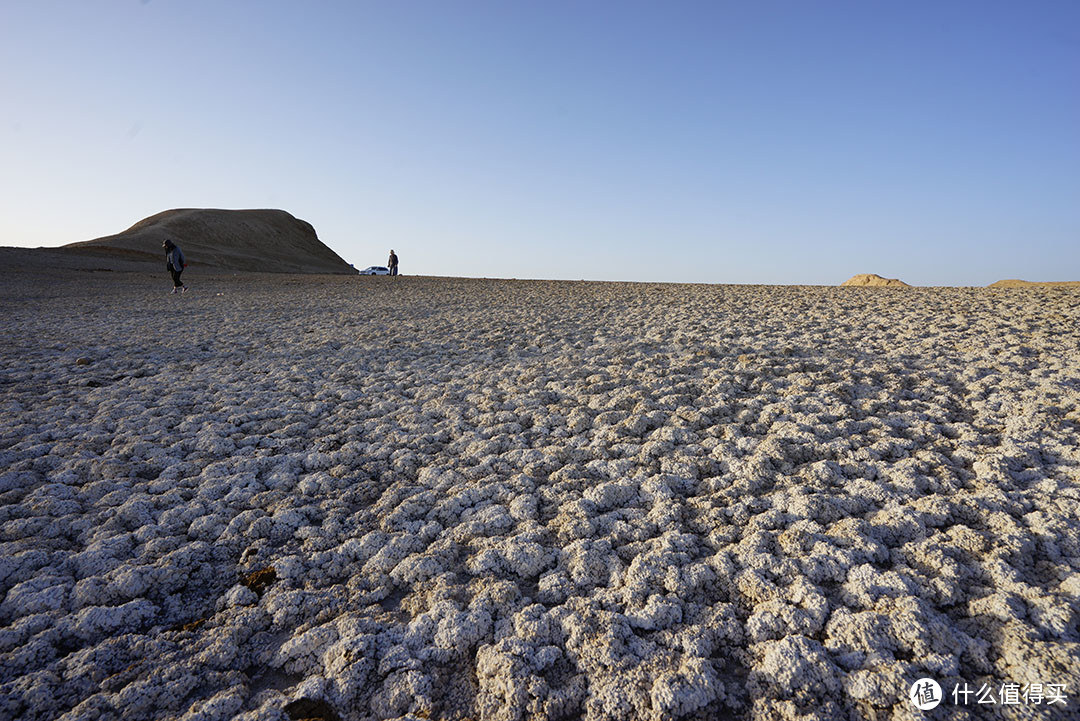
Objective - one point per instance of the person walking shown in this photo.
(174, 262)
(392, 263)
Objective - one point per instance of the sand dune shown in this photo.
(269, 241)
(288, 496)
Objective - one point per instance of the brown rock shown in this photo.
(873, 280)
(258, 581)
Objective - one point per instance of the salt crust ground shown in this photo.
(532, 500)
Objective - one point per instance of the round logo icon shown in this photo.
(925, 694)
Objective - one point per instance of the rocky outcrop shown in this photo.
(873, 280)
(269, 241)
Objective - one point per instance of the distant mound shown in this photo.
(1014, 283)
(873, 280)
(267, 241)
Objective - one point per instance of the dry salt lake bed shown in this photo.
(282, 497)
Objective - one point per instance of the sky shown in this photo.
(781, 141)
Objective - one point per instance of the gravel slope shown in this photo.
(523, 500)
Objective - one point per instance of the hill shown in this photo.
(873, 280)
(268, 241)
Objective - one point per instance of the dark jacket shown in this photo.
(174, 257)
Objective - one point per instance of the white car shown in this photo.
(375, 270)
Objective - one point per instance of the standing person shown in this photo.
(174, 262)
(392, 262)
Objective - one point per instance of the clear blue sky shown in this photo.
(728, 142)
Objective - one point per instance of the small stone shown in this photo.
(240, 595)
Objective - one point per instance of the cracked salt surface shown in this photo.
(531, 500)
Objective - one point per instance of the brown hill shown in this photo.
(1014, 283)
(268, 241)
(873, 280)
